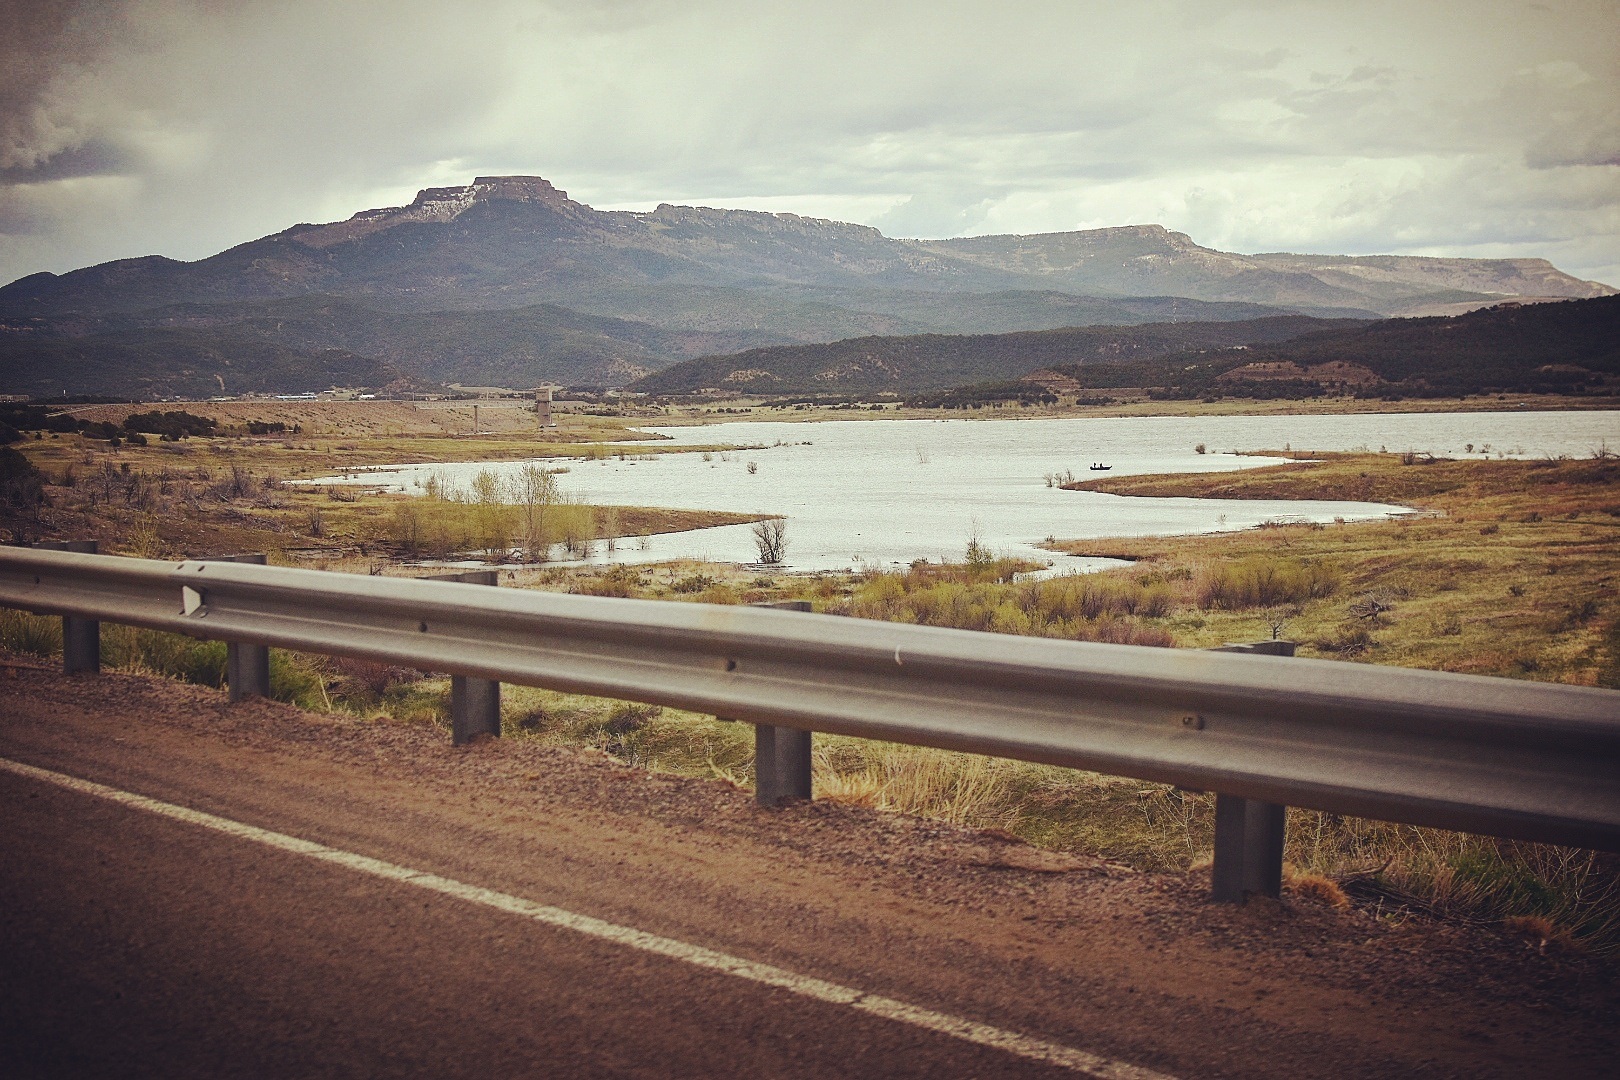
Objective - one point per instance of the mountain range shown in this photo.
(509, 281)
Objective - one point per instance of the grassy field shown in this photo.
(209, 496)
(1510, 571)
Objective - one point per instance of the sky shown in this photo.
(179, 127)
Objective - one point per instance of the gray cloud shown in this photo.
(44, 42)
(91, 157)
(129, 127)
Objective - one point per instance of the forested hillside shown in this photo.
(1568, 347)
(913, 364)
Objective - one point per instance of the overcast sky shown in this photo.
(133, 127)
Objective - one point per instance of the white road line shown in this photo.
(967, 1030)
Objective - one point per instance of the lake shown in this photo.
(881, 493)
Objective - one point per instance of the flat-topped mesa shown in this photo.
(437, 204)
(668, 216)
(1048, 252)
(526, 188)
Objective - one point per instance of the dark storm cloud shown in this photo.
(181, 127)
(41, 41)
(93, 157)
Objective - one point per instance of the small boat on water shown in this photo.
(1100, 467)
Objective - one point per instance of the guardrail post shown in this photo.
(475, 704)
(81, 638)
(781, 754)
(781, 764)
(1248, 849)
(1249, 833)
(247, 666)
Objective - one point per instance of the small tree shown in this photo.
(493, 515)
(534, 490)
(979, 556)
(770, 537)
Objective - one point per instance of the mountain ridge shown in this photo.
(603, 296)
(449, 244)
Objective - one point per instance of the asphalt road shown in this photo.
(138, 940)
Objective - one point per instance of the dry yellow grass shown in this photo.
(1515, 573)
(1313, 887)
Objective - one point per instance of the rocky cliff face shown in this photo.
(435, 206)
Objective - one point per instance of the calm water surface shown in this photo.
(885, 492)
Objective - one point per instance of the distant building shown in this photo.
(542, 407)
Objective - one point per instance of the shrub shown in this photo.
(1081, 607)
(22, 486)
(298, 680)
(365, 682)
(30, 635)
(1262, 582)
(1317, 888)
(172, 426)
(1350, 639)
(770, 537)
(615, 581)
(173, 655)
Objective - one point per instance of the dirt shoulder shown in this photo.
(1137, 966)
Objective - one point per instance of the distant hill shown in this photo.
(1137, 259)
(594, 296)
(519, 347)
(152, 364)
(913, 364)
(1567, 347)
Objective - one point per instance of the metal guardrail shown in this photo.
(1501, 757)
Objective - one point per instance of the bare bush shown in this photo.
(770, 537)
